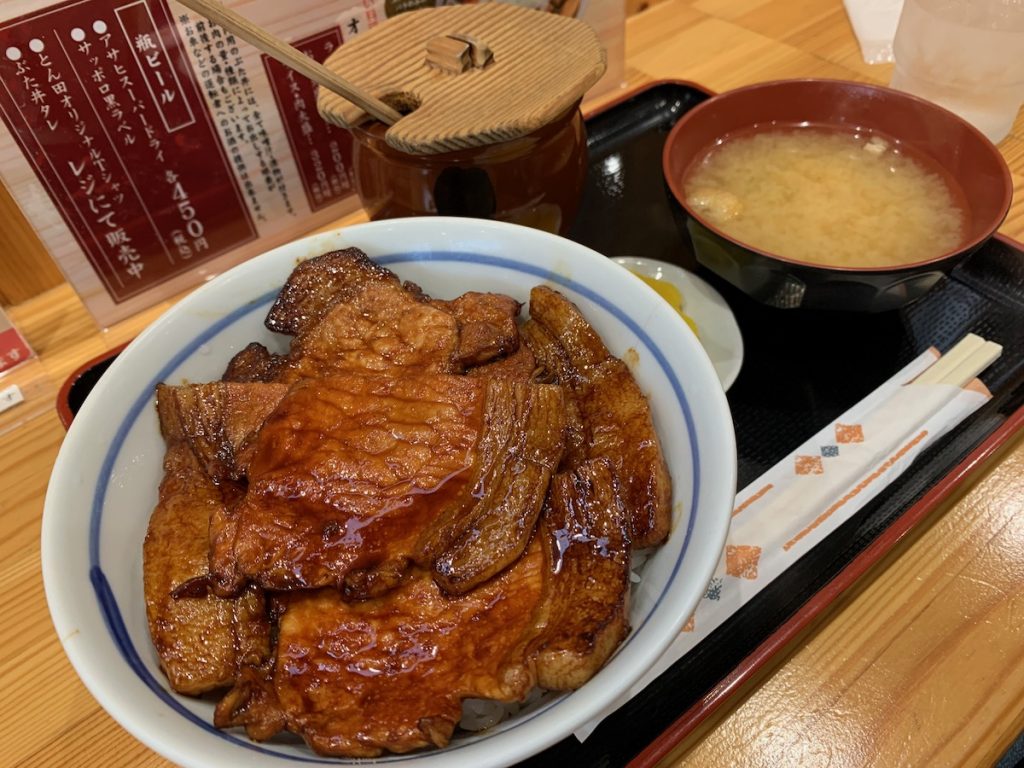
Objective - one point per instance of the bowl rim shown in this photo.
(83, 657)
(675, 185)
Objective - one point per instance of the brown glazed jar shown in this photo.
(535, 180)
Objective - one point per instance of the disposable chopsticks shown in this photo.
(963, 362)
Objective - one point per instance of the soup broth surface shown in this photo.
(825, 197)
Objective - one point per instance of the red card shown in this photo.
(14, 350)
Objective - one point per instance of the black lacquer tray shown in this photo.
(801, 370)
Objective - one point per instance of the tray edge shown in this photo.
(906, 523)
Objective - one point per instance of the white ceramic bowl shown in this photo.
(104, 483)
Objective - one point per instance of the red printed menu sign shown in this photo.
(145, 146)
(151, 149)
(105, 107)
(322, 151)
(14, 350)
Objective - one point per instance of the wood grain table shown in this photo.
(921, 663)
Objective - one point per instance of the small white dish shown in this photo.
(104, 483)
(717, 329)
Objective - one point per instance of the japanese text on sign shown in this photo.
(322, 152)
(102, 102)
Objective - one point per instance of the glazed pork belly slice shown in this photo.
(616, 415)
(517, 366)
(487, 326)
(552, 365)
(307, 297)
(379, 328)
(345, 475)
(585, 531)
(349, 314)
(316, 284)
(217, 420)
(202, 640)
(359, 678)
(351, 474)
(255, 363)
(520, 447)
(389, 674)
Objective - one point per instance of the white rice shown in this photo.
(636, 564)
(481, 714)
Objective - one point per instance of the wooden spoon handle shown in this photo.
(292, 57)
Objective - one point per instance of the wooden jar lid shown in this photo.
(479, 74)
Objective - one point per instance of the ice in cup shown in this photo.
(965, 55)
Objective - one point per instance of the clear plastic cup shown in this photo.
(965, 55)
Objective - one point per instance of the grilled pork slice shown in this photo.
(345, 475)
(389, 674)
(519, 366)
(553, 365)
(350, 472)
(316, 284)
(585, 530)
(202, 640)
(519, 449)
(381, 328)
(252, 364)
(616, 415)
(349, 314)
(487, 326)
(217, 420)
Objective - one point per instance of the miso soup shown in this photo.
(829, 198)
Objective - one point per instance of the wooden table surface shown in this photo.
(922, 663)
